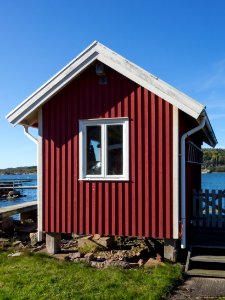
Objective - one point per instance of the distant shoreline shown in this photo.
(213, 172)
(13, 174)
(19, 171)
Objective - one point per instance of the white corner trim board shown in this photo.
(175, 172)
(39, 177)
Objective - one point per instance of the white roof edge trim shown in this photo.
(161, 89)
(147, 80)
(208, 130)
(50, 88)
(116, 62)
(87, 49)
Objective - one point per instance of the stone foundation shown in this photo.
(53, 242)
(171, 249)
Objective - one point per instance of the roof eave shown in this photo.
(208, 131)
(97, 51)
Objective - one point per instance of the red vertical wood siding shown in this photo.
(141, 206)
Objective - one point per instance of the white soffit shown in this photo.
(97, 51)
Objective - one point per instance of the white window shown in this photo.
(103, 149)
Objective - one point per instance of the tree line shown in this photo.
(214, 160)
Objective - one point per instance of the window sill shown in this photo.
(104, 179)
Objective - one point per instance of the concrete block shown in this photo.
(90, 241)
(53, 241)
(33, 238)
(170, 250)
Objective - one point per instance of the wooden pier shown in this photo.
(10, 188)
(26, 207)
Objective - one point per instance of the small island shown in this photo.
(19, 170)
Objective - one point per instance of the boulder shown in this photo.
(152, 263)
(117, 263)
(89, 257)
(16, 243)
(75, 255)
(98, 264)
(140, 262)
(15, 254)
(133, 265)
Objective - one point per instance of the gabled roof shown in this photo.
(97, 51)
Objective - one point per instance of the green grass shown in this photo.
(36, 276)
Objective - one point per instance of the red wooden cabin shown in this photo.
(110, 154)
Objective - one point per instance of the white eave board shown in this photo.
(97, 51)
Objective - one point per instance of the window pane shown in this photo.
(93, 150)
(115, 149)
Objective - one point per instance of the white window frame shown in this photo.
(83, 145)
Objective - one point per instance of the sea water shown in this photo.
(213, 181)
(27, 194)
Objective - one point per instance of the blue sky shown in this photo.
(181, 42)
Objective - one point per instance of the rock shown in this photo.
(78, 260)
(16, 243)
(21, 245)
(152, 263)
(75, 255)
(71, 244)
(96, 236)
(15, 254)
(140, 262)
(4, 241)
(134, 265)
(13, 194)
(98, 264)
(61, 256)
(158, 257)
(88, 242)
(75, 235)
(33, 238)
(40, 247)
(89, 257)
(116, 263)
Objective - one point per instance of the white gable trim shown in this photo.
(97, 51)
(50, 88)
(151, 83)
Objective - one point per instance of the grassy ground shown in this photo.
(36, 276)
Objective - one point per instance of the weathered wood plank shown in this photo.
(200, 209)
(22, 187)
(209, 209)
(206, 273)
(17, 209)
(220, 218)
(195, 198)
(214, 219)
(207, 215)
(209, 258)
